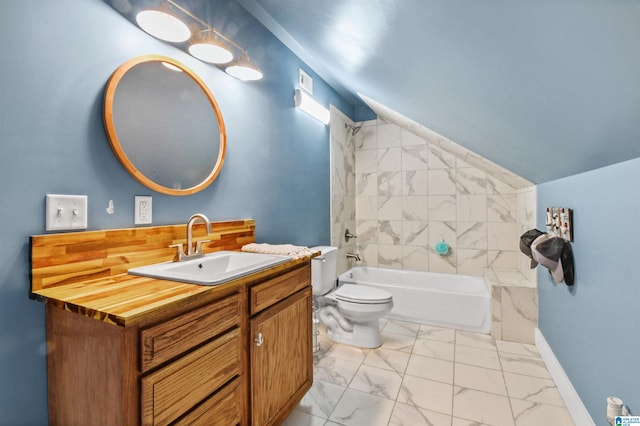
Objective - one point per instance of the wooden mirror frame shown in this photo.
(117, 147)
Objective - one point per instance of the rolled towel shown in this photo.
(296, 252)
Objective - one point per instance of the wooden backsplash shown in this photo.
(65, 258)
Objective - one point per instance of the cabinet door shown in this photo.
(281, 358)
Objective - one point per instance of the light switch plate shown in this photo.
(305, 81)
(142, 211)
(66, 212)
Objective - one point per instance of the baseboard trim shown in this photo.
(572, 400)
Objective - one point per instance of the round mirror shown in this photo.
(164, 125)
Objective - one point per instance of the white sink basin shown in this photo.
(212, 269)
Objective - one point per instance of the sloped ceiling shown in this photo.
(544, 88)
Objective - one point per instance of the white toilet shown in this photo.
(350, 312)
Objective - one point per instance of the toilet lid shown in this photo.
(361, 294)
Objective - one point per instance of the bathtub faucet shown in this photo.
(353, 256)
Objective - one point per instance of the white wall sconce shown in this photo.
(166, 22)
(307, 104)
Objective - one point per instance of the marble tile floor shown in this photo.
(425, 375)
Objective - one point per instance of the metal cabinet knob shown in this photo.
(259, 340)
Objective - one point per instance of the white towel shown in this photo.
(296, 252)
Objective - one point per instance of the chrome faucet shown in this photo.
(191, 253)
(353, 256)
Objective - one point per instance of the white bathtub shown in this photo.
(446, 300)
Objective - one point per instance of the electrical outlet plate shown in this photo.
(66, 212)
(142, 212)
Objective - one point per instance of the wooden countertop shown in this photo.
(128, 299)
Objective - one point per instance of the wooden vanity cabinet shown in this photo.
(281, 358)
(186, 366)
(196, 362)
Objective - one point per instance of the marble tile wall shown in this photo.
(411, 192)
(343, 208)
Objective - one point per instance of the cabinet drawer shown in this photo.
(225, 408)
(175, 389)
(272, 291)
(171, 338)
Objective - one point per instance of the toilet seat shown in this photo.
(355, 293)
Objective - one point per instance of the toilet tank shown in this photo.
(323, 270)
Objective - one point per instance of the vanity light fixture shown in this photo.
(163, 25)
(207, 47)
(307, 104)
(243, 69)
(207, 44)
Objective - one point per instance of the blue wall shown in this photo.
(55, 61)
(594, 327)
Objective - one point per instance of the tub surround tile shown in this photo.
(410, 138)
(514, 305)
(519, 314)
(414, 182)
(471, 235)
(414, 157)
(471, 208)
(415, 233)
(386, 161)
(415, 258)
(503, 236)
(502, 208)
(389, 160)
(358, 408)
(367, 184)
(389, 232)
(445, 264)
(441, 182)
(471, 181)
(414, 208)
(390, 208)
(389, 135)
(441, 207)
(439, 159)
(389, 256)
(389, 184)
(503, 259)
(369, 254)
(471, 261)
